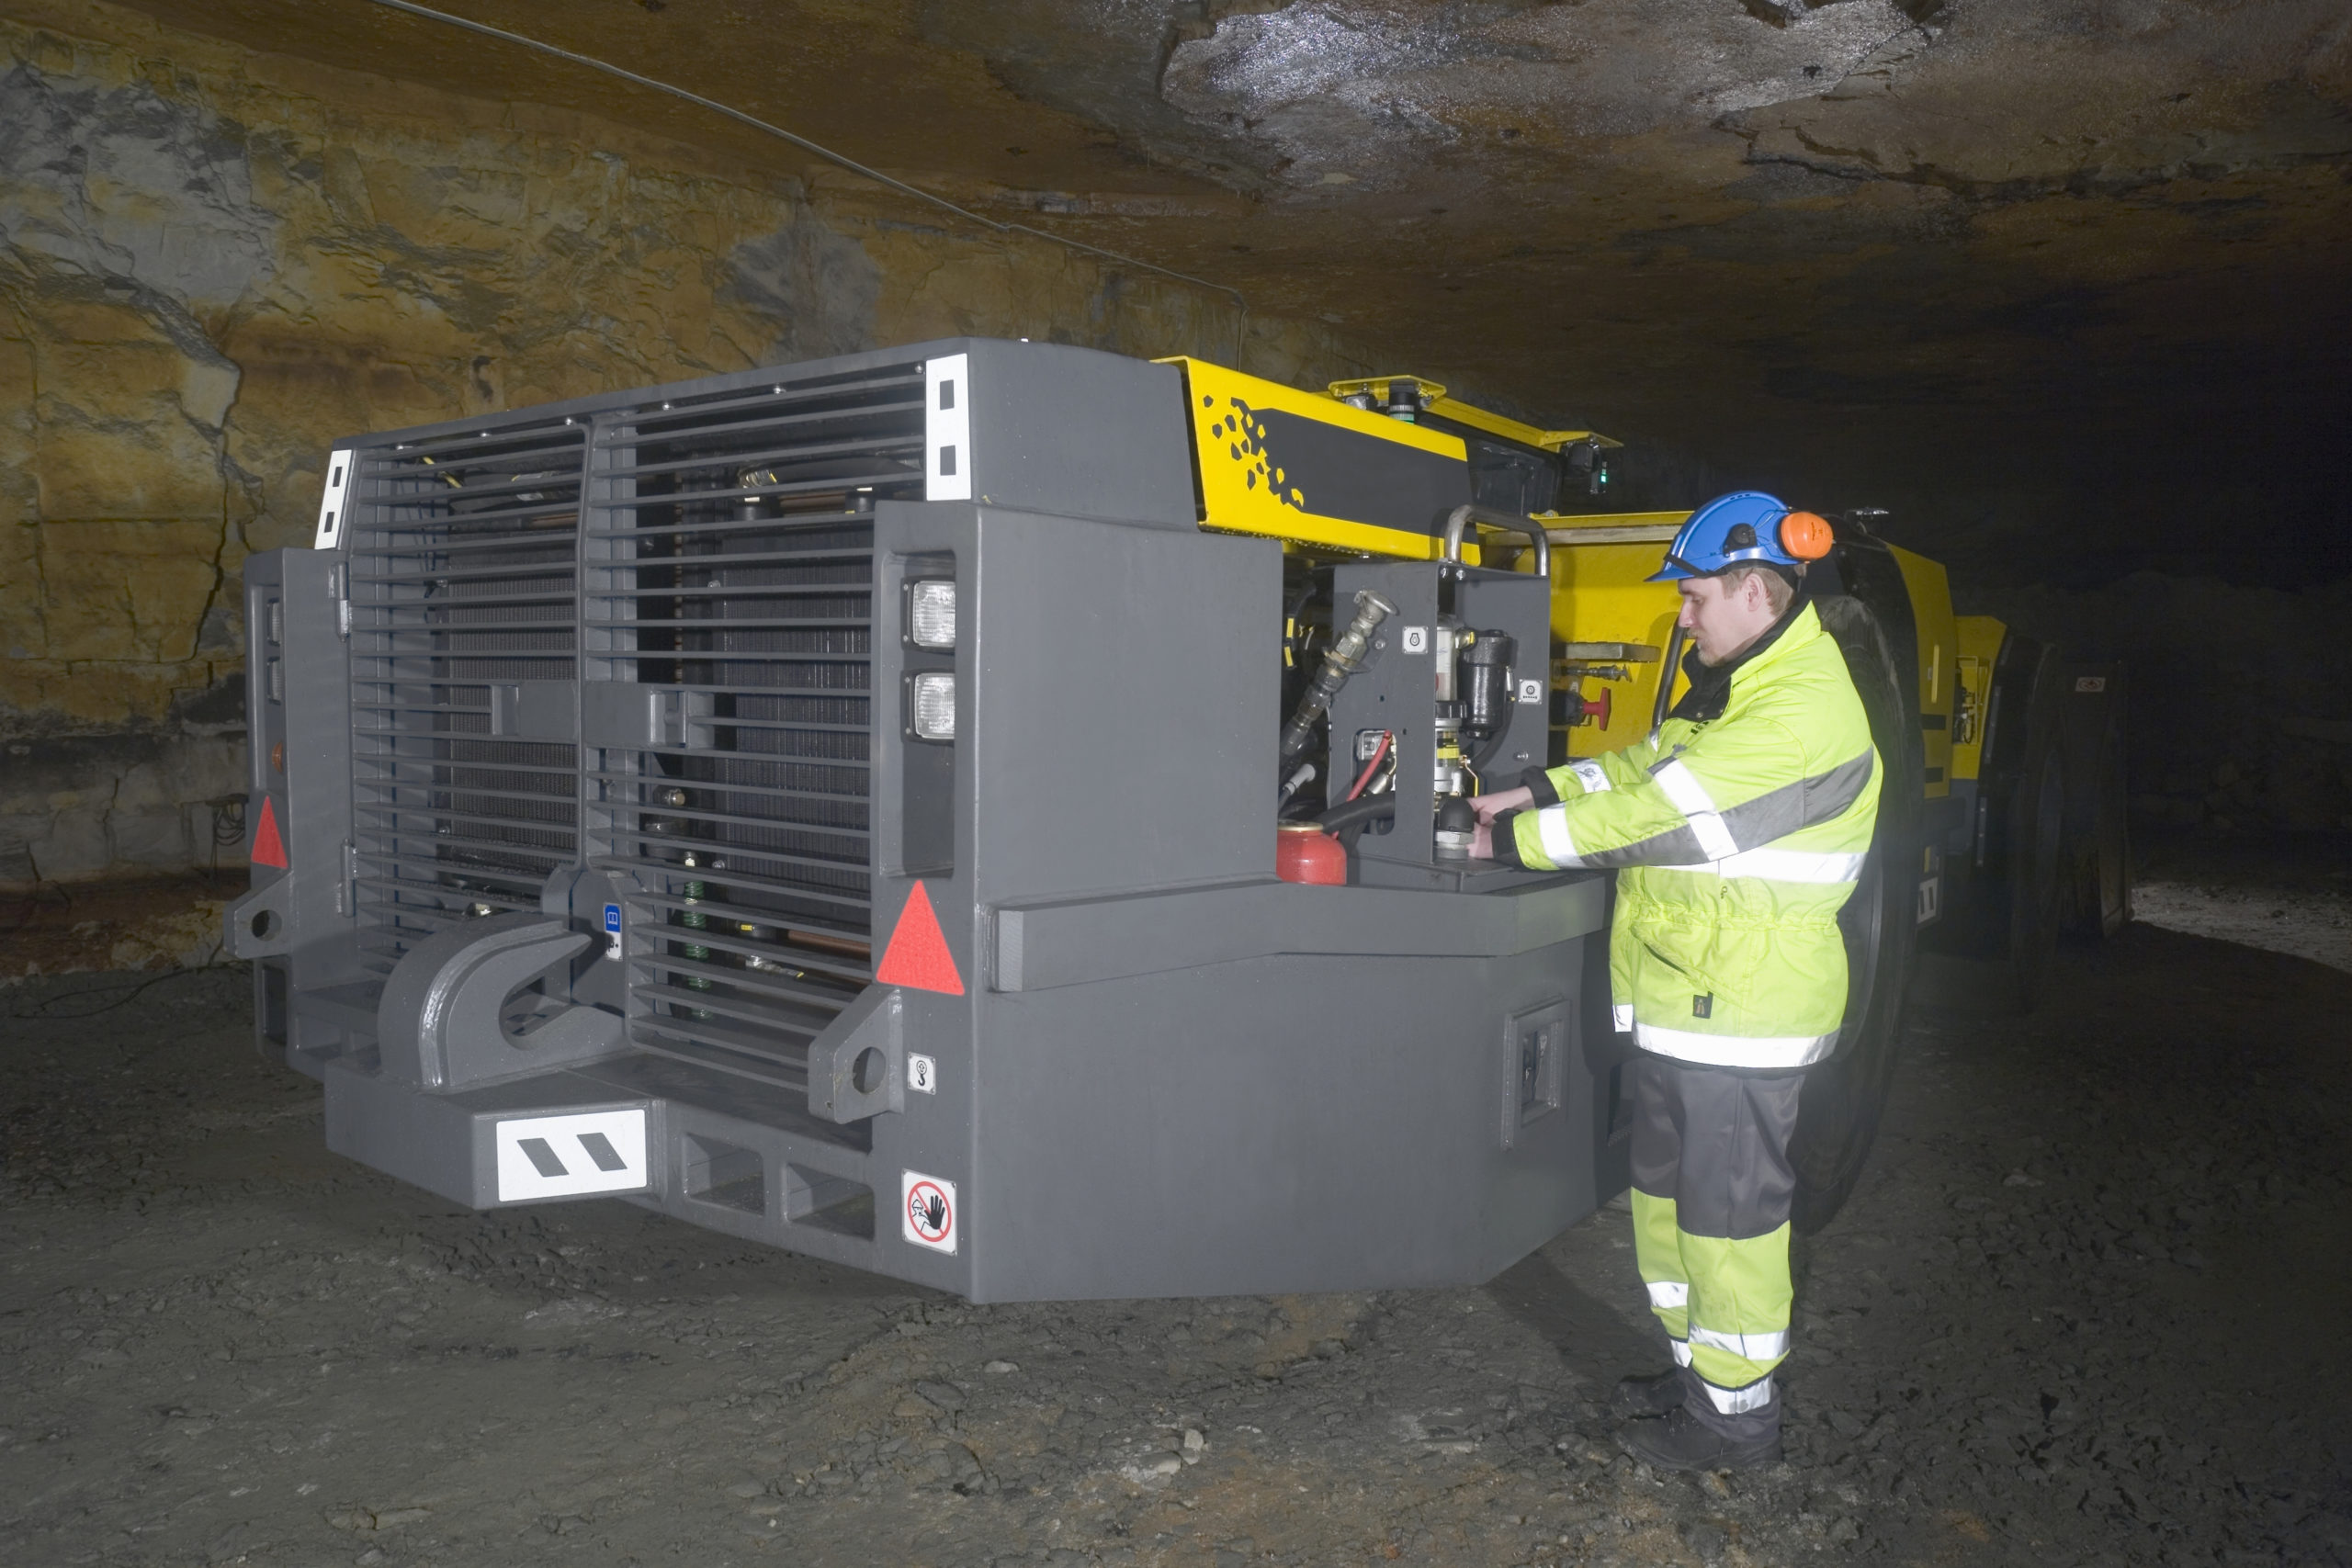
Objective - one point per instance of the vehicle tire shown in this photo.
(1988, 953)
(2034, 835)
(2096, 873)
(1838, 1112)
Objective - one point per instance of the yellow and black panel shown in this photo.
(1980, 638)
(1305, 467)
(1939, 638)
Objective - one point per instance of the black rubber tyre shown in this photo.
(2034, 834)
(1989, 951)
(1837, 1116)
(2095, 873)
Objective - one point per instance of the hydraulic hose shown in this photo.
(1341, 660)
(1356, 813)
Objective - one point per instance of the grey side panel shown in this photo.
(296, 922)
(1277, 1125)
(1080, 433)
(1123, 712)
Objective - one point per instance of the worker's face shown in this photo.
(1723, 616)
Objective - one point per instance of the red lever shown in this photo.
(1580, 710)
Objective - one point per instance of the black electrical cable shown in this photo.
(137, 989)
(818, 149)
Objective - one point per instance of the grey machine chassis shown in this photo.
(640, 841)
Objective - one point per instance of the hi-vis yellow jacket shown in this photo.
(1741, 835)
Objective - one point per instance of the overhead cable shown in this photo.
(815, 149)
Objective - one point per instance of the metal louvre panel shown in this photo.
(730, 562)
(462, 574)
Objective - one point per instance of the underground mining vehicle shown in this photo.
(993, 814)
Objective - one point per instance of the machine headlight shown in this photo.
(931, 613)
(934, 706)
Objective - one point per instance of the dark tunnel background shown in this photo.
(2063, 290)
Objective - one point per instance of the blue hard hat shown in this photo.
(1742, 526)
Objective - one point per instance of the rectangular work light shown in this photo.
(934, 705)
(931, 613)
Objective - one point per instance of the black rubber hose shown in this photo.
(1356, 813)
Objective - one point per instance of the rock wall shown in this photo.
(213, 263)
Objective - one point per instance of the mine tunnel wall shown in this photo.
(213, 263)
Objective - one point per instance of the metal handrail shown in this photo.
(1460, 517)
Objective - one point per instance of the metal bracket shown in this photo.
(857, 1067)
(261, 924)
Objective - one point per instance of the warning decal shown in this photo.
(918, 955)
(927, 1211)
(268, 848)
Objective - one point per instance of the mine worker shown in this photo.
(1740, 826)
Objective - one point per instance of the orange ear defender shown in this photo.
(1806, 536)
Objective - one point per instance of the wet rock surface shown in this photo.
(2087, 1308)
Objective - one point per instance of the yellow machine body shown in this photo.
(1930, 595)
(1615, 630)
(1330, 479)
(1978, 639)
(1306, 468)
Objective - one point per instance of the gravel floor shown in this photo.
(2090, 1306)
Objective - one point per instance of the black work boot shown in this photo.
(1680, 1440)
(1651, 1396)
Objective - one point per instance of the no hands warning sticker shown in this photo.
(927, 1211)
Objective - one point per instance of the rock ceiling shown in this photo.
(1947, 253)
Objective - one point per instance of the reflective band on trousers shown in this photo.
(1552, 825)
(1788, 865)
(1588, 774)
(1667, 1294)
(1691, 799)
(1734, 1050)
(1733, 1401)
(1681, 1349)
(1754, 1347)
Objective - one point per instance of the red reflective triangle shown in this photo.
(268, 848)
(918, 955)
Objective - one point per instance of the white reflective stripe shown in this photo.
(1668, 1293)
(1691, 798)
(1790, 865)
(1588, 773)
(1681, 1349)
(1733, 1401)
(1552, 827)
(1754, 1347)
(1623, 1013)
(1734, 1050)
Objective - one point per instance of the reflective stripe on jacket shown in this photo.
(1738, 840)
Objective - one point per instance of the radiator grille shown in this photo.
(730, 562)
(463, 574)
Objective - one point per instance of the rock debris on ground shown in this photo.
(2088, 1306)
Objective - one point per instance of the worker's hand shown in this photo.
(1489, 807)
(1482, 841)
